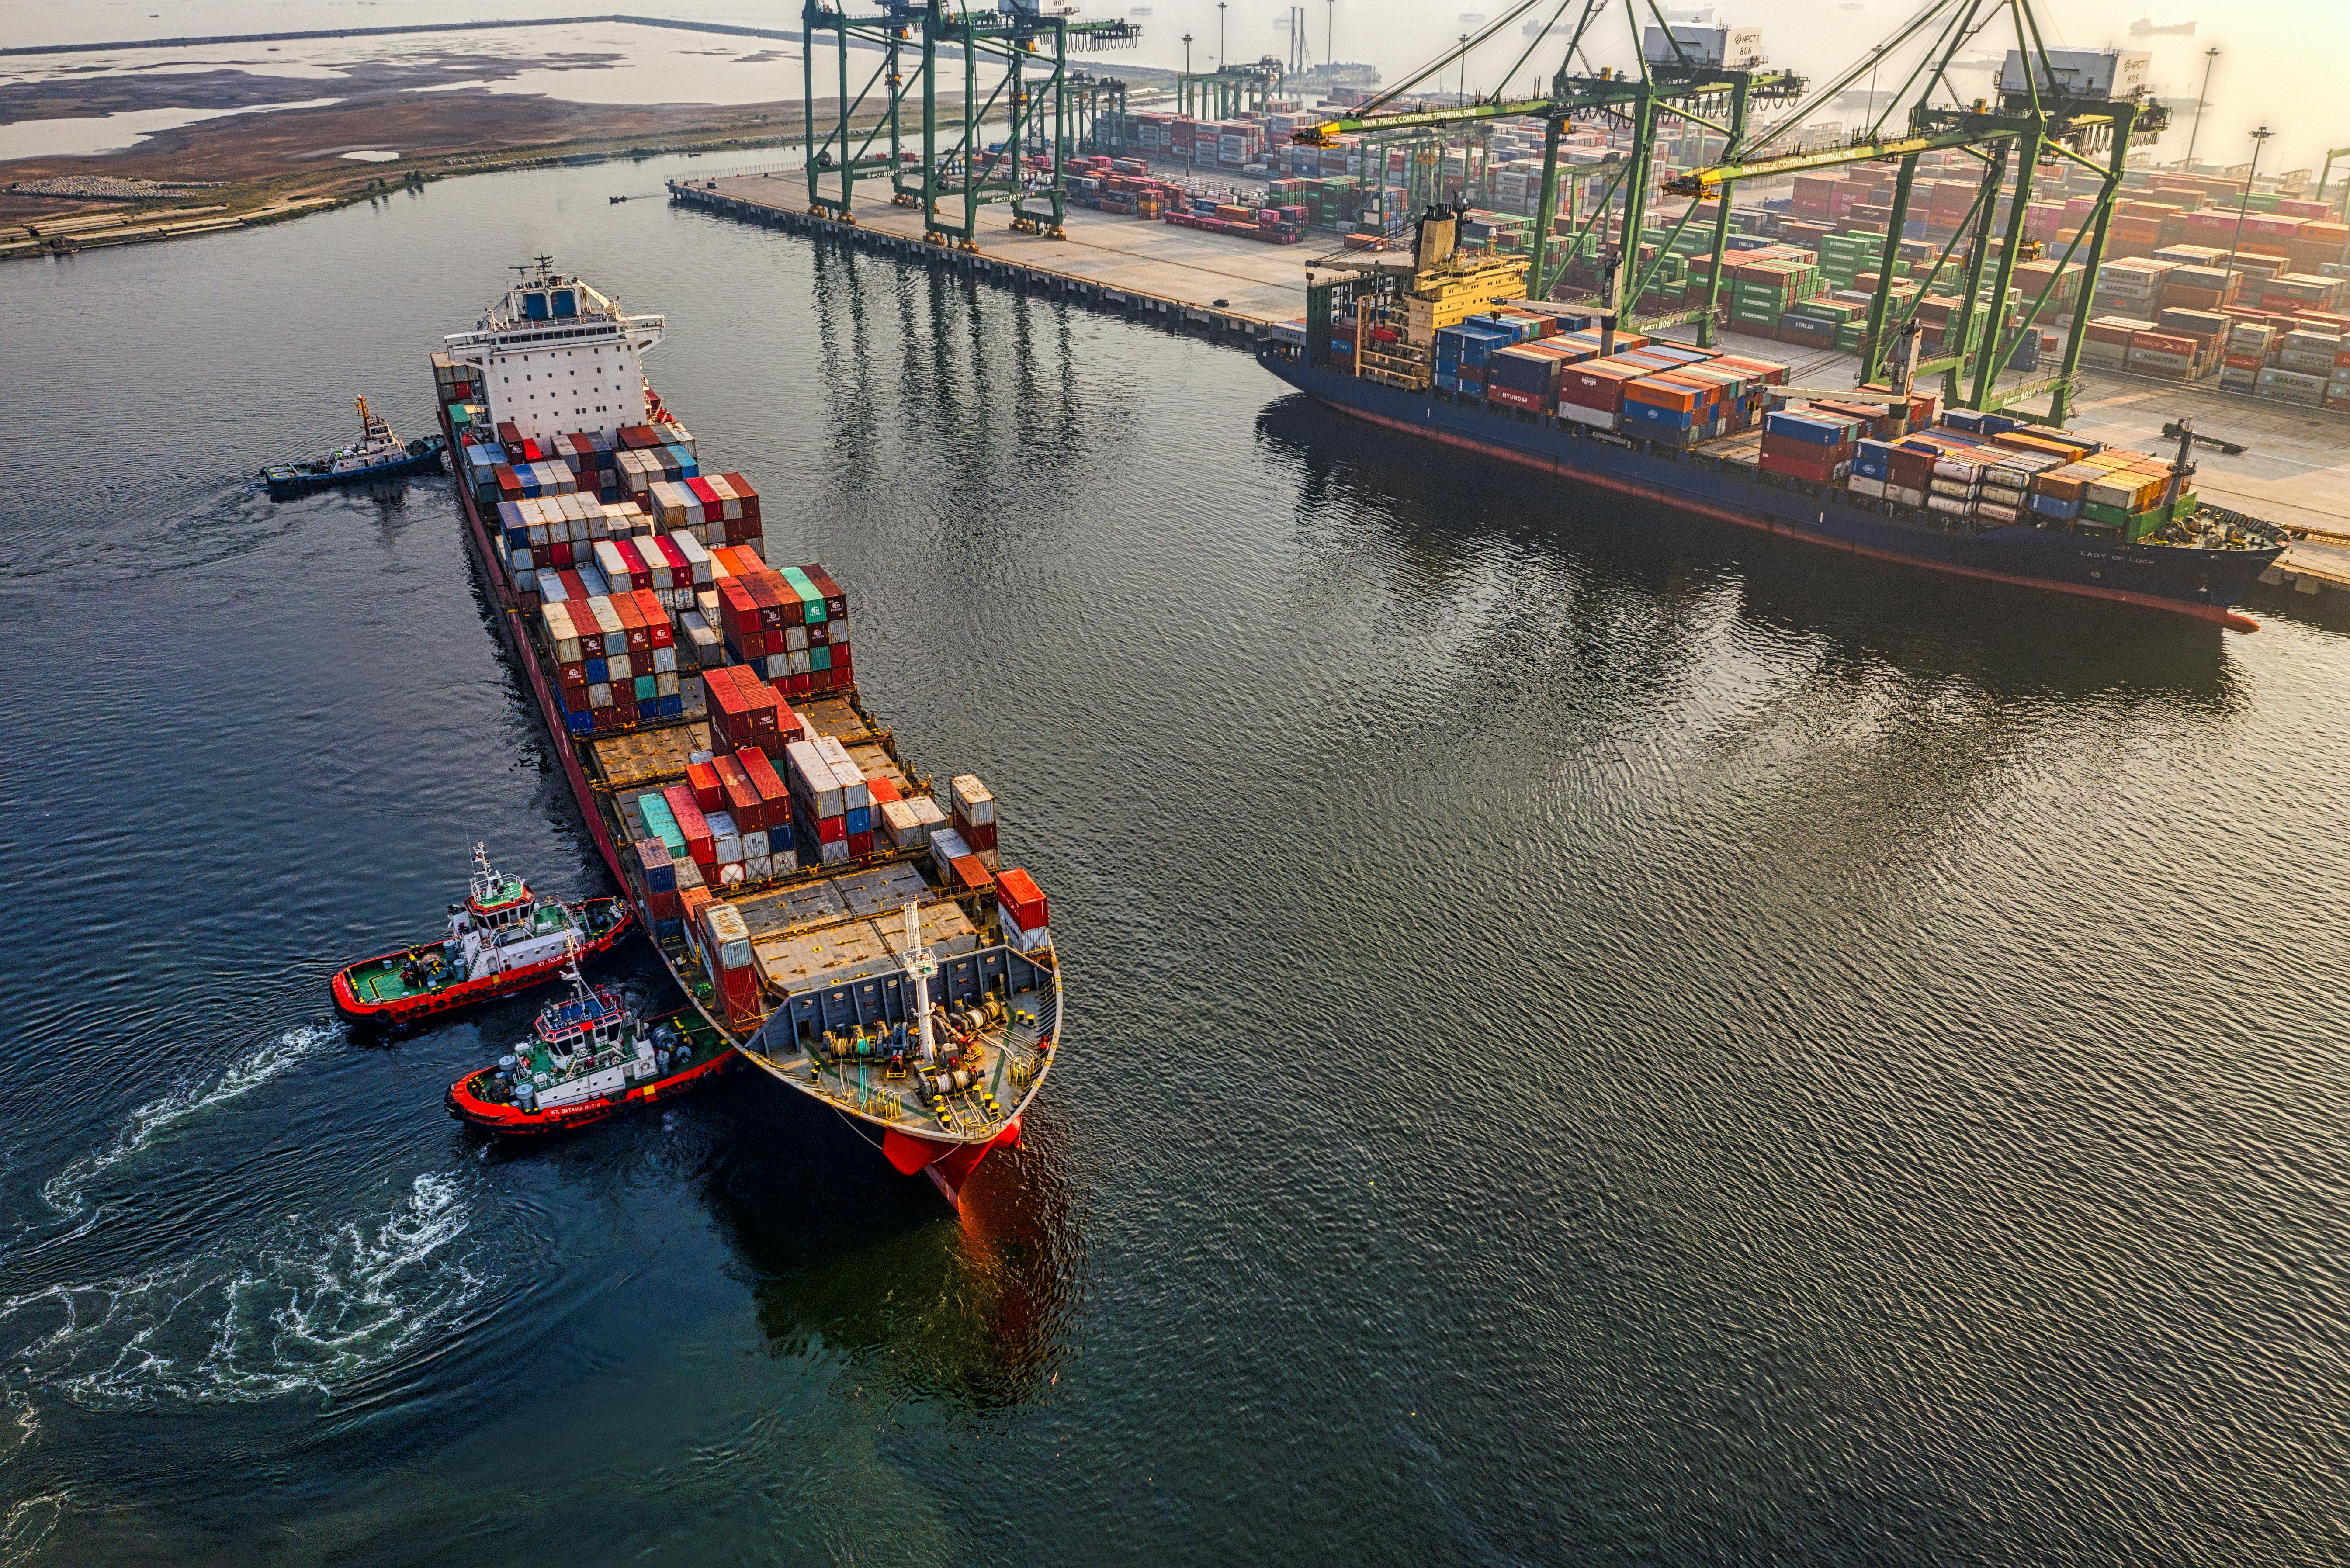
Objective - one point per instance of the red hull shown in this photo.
(487, 988)
(949, 1165)
(469, 1108)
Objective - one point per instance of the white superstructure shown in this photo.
(557, 358)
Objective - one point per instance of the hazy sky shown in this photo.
(2287, 61)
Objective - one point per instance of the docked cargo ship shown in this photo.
(704, 704)
(1443, 353)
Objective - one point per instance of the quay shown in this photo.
(1185, 279)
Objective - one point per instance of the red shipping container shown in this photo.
(573, 672)
(971, 872)
(836, 603)
(1022, 901)
(832, 829)
(860, 845)
(742, 800)
(708, 790)
(980, 835)
(882, 791)
(657, 631)
(746, 496)
(699, 844)
(1817, 471)
(841, 664)
(1596, 384)
(713, 504)
(775, 796)
(797, 685)
(1513, 397)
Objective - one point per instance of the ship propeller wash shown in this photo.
(842, 920)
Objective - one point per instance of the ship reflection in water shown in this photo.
(973, 1309)
(1639, 570)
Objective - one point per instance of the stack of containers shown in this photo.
(745, 711)
(820, 800)
(1872, 468)
(1460, 355)
(725, 942)
(962, 871)
(909, 822)
(1592, 393)
(2249, 343)
(453, 381)
(1957, 482)
(971, 813)
(1526, 375)
(1810, 444)
(616, 660)
(1666, 407)
(1025, 918)
(655, 868)
(856, 794)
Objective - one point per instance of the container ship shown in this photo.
(843, 922)
(1443, 351)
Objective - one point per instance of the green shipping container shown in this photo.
(2098, 511)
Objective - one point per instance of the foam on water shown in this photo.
(67, 1191)
(309, 1311)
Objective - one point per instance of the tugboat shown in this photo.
(501, 940)
(588, 1058)
(377, 454)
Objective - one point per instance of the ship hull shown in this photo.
(467, 1105)
(2204, 584)
(350, 985)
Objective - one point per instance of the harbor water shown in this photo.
(1593, 1037)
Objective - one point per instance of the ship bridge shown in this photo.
(557, 356)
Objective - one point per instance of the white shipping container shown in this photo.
(1598, 419)
(905, 828)
(853, 792)
(754, 845)
(971, 798)
(1866, 486)
(811, 777)
(834, 853)
(1032, 941)
(946, 847)
(758, 868)
(724, 835)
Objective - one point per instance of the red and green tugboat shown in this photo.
(587, 1059)
(500, 940)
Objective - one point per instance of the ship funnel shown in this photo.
(1438, 237)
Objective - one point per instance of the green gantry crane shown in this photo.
(2040, 116)
(2043, 119)
(951, 180)
(1710, 98)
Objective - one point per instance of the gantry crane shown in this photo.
(2043, 118)
(1029, 51)
(2042, 115)
(1714, 97)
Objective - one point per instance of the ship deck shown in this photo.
(1012, 1056)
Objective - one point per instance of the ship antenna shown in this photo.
(920, 965)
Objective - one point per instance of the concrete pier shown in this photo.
(1187, 278)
